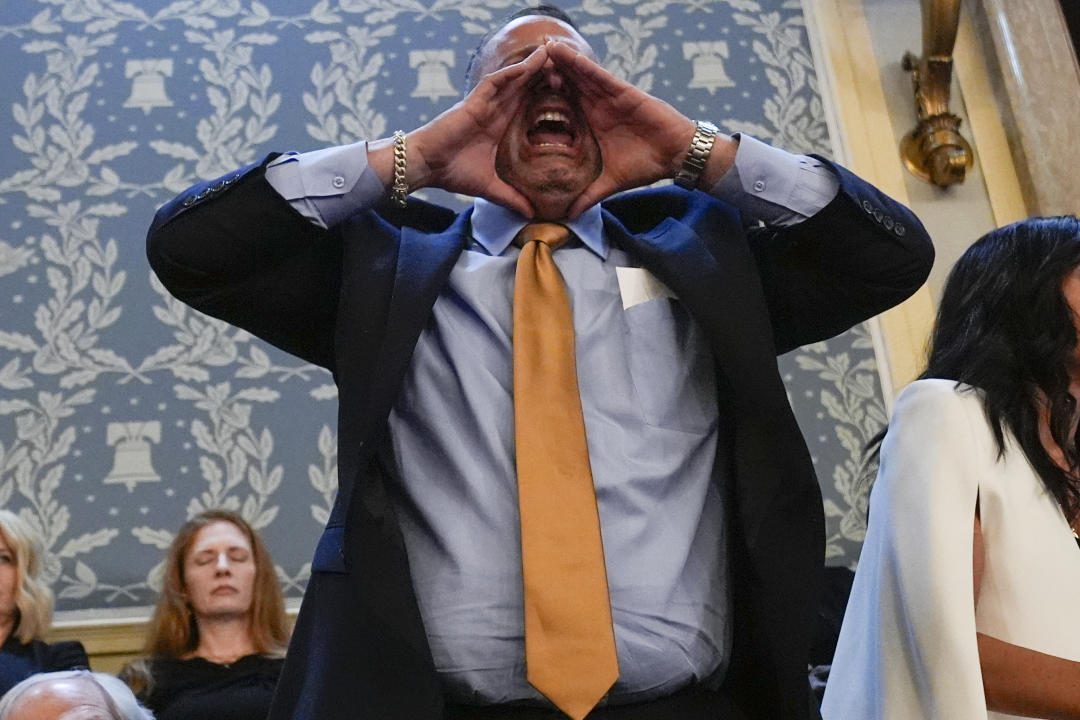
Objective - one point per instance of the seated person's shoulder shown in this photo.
(66, 655)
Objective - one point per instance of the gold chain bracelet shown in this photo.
(399, 193)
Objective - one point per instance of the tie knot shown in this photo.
(553, 235)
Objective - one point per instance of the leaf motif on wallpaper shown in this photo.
(794, 111)
(242, 102)
(855, 405)
(87, 542)
(200, 340)
(33, 466)
(652, 7)
(15, 377)
(297, 582)
(326, 391)
(325, 479)
(82, 274)
(56, 139)
(205, 341)
(13, 258)
(236, 453)
(627, 54)
(85, 582)
(161, 539)
(258, 364)
(348, 81)
(43, 23)
(82, 584)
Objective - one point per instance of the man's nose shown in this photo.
(552, 76)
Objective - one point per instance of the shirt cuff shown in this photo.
(328, 185)
(774, 186)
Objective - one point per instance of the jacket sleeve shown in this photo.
(234, 249)
(65, 655)
(907, 647)
(858, 256)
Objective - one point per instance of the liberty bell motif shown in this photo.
(432, 74)
(132, 463)
(148, 83)
(708, 64)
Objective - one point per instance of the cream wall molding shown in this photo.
(111, 643)
(865, 142)
(984, 115)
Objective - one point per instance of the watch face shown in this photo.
(706, 125)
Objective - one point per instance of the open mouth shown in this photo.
(552, 128)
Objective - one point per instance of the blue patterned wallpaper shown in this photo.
(122, 412)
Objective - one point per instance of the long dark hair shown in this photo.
(1005, 327)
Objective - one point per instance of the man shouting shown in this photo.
(571, 484)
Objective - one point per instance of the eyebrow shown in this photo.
(229, 549)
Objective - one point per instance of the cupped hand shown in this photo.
(456, 151)
(642, 139)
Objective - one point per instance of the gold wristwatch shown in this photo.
(698, 154)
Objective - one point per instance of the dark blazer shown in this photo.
(355, 298)
(19, 660)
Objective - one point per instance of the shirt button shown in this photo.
(867, 206)
(899, 230)
(338, 182)
(759, 186)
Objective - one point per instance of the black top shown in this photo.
(19, 661)
(198, 689)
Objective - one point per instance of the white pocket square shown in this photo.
(638, 285)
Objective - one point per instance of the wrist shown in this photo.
(418, 172)
(399, 191)
(696, 156)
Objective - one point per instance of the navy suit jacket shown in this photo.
(355, 298)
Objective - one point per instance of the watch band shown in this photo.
(698, 154)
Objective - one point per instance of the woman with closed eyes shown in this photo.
(217, 639)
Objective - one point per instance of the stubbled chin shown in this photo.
(552, 204)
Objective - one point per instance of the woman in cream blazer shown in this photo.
(966, 603)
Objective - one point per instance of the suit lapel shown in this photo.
(720, 288)
(718, 283)
(424, 264)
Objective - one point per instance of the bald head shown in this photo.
(76, 695)
(66, 699)
(479, 65)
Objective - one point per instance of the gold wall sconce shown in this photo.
(935, 150)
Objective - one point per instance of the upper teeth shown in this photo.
(552, 116)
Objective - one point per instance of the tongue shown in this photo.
(550, 137)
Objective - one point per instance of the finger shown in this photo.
(502, 91)
(499, 95)
(514, 76)
(506, 195)
(584, 70)
(600, 189)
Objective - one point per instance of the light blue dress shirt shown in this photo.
(649, 400)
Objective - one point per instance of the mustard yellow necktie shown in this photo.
(569, 639)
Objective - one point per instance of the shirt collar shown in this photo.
(494, 227)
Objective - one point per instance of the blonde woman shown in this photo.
(26, 609)
(216, 641)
